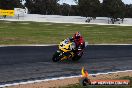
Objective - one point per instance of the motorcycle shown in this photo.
(67, 51)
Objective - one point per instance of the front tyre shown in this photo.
(56, 56)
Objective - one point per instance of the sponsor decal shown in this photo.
(85, 81)
(6, 12)
(110, 82)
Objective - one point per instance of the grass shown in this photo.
(53, 33)
(80, 86)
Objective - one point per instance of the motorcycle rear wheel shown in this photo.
(76, 57)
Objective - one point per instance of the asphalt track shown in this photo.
(22, 63)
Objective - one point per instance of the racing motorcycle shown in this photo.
(66, 50)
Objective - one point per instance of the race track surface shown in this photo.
(22, 63)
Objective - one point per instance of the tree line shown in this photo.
(88, 8)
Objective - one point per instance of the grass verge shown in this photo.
(53, 33)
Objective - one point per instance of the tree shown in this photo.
(128, 11)
(42, 6)
(74, 10)
(114, 9)
(9, 4)
(65, 9)
(88, 8)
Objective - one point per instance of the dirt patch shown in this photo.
(24, 23)
(87, 26)
(67, 25)
(69, 81)
(111, 27)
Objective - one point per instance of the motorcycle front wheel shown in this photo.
(56, 56)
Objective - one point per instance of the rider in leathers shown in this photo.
(79, 42)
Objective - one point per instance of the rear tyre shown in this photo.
(76, 57)
(56, 56)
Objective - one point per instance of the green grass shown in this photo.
(80, 86)
(53, 33)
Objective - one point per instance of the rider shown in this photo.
(79, 41)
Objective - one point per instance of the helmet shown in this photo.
(77, 35)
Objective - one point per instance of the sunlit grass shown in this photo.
(53, 33)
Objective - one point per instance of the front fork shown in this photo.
(62, 56)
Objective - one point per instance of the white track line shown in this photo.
(29, 45)
(57, 44)
(111, 44)
(53, 79)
